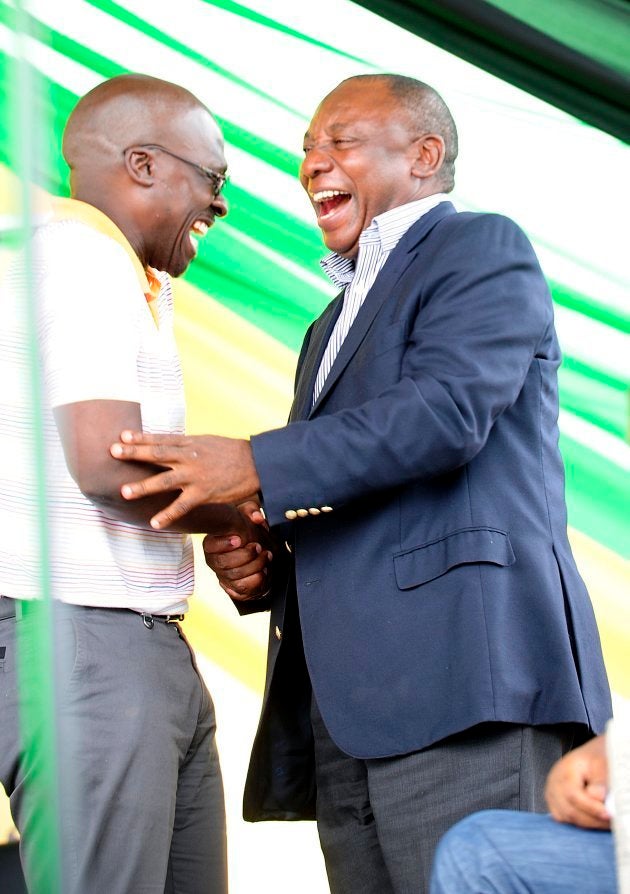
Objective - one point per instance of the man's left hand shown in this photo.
(206, 468)
(242, 569)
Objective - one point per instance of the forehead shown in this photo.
(357, 104)
(197, 133)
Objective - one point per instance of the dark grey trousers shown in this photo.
(379, 820)
(140, 789)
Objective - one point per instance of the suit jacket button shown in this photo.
(278, 632)
(314, 510)
(288, 546)
(327, 509)
(290, 514)
(302, 513)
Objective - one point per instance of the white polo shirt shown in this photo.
(97, 339)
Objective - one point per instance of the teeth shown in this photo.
(324, 194)
(200, 227)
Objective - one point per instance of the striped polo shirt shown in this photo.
(105, 331)
(376, 243)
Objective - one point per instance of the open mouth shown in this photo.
(198, 231)
(327, 201)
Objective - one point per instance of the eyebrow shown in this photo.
(334, 128)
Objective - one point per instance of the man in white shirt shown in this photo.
(140, 791)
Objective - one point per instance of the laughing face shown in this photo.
(188, 204)
(359, 161)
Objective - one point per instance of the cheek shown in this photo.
(303, 181)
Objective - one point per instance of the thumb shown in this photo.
(253, 511)
(221, 543)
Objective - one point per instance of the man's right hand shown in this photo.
(243, 569)
(577, 786)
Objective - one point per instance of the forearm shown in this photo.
(214, 518)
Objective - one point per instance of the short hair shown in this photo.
(426, 110)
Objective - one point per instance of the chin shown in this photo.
(176, 268)
(344, 247)
(343, 250)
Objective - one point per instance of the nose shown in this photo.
(219, 206)
(316, 161)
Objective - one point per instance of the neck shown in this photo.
(122, 221)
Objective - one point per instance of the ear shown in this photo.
(140, 165)
(429, 155)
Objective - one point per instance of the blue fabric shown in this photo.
(506, 852)
(438, 589)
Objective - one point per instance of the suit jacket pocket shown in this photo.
(466, 546)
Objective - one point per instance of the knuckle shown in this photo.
(168, 479)
(181, 507)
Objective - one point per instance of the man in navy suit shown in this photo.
(433, 649)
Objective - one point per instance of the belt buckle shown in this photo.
(172, 619)
(149, 620)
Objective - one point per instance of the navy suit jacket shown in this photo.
(437, 590)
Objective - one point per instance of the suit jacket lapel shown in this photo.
(320, 334)
(384, 284)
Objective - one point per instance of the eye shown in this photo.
(343, 142)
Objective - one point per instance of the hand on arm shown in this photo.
(205, 468)
(87, 428)
(577, 785)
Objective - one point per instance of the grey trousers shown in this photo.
(379, 820)
(140, 789)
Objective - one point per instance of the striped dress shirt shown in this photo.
(376, 243)
(97, 340)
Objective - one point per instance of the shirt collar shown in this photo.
(339, 270)
(73, 209)
(387, 229)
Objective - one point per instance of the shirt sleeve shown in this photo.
(90, 306)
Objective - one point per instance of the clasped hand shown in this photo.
(243, 569)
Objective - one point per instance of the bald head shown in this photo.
(149, 155)
(124, 111)
(426, 112)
